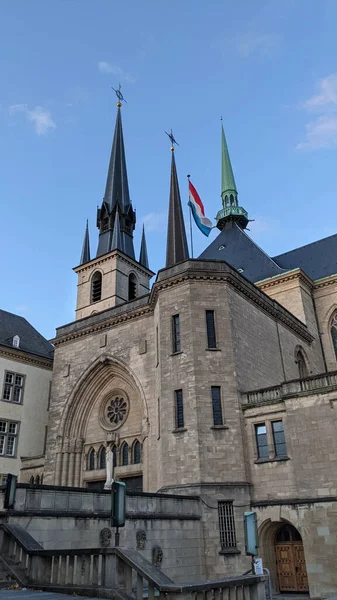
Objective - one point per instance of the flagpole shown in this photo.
(188, 178)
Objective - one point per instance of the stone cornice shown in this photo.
(102, 325)
(193, 270)
(325, 282)
(106, 257)
(285, 278)
(25, 357)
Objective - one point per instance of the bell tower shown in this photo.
(114, 276)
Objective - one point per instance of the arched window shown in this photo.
(136, 453)
(226, 200)
(333, 330)
(16, 341)
(102, 458)
(37, 479)
(31, 479)
(96, 287)
(287, 533)
(232, 199)
(91, 460)
(114, 456)
(301, 364)
(125, 454)
(132, 286)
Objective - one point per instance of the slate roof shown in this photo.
(317, 260)
(236, 247)
(30, 340)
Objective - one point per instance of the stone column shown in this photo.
(58, 468)
(78, 462)
(109, 468)
(71, 463)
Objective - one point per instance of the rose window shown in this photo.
(117, 410)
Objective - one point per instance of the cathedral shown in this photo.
(219, 381)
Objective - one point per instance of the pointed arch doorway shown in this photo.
(290, 560)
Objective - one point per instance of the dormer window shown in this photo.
(16, 341)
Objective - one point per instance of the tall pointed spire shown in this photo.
(231, 210)
(176, 247)
(85, 255)
(116, 198)
(227, 176)
(143, 257)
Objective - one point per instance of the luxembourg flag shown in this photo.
(197, 208)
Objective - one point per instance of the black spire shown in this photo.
(85, 255)
(176, 247)
(143, 257)
(116, 198)
(116, 241)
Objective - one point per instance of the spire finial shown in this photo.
(173, 140)
(119, 96)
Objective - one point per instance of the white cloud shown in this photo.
(321, 131)
(262, 225)
(39, 116)
(154, 221)
(327, 95)
(254, 43)
(105, 67)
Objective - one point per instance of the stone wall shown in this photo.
(73, 518)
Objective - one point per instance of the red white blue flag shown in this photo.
(198, 212)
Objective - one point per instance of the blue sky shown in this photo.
(268, 67)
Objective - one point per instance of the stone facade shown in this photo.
(28, 414)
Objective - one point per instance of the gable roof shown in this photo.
(317, 260)
(235, 247)
(30, 340)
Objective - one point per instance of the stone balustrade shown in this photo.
(323, 382)
(110, 572)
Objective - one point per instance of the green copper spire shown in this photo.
(228, 182)
(231, 211)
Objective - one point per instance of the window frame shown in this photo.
(13, 386)
(7, 434)
(210, 333)
(179, 421)
(219, 400)
(256, 425)
(227, 526)
(275, 444)
(333, 326)
(92, 282)
(176, 334)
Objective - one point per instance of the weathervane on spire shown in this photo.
(172, 138)
(119, 95)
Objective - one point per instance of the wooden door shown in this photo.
(300, 568)
(286, 568)
(291, 569)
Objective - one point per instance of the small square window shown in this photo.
(3, 426)
(13, 387)
(9, 377)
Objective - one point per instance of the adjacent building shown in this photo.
(26, 362)
(220, 381)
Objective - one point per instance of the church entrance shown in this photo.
(290, 560)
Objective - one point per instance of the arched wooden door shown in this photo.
(290, 560)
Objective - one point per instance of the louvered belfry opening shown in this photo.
(96, 287)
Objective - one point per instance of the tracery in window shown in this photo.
(102, 458)
(91, 460)
(125, 454)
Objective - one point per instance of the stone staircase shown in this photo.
(121, 574)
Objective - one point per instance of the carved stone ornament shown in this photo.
(157, 556)
(105, 537)
(140, 539)
(114, 410)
